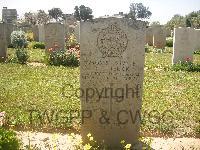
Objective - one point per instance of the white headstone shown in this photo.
(41, 33)
(111, 77)
(3, 42)
(184, 43)
(54, 36)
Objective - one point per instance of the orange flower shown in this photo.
(50, 49)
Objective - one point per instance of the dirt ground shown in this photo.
(71, 141)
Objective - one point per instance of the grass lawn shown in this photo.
(38, 96)
(36, 55)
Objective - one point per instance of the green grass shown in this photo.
(36, 55)
(23, 88)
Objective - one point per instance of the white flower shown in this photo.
(2, 118)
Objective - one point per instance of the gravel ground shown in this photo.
(57, 141)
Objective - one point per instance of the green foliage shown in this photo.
(35, 55)
(56, 13)
(190, 20)
(30, 18)
(197, 52)
(77, 13)
(8, 140)
(186, 66)
(138, 11)
(63, 58)
(22, 56)
(193, 19)
(18, 39)
(83, 13)
(42, 17)
(38, 45)
(169, 42)
(39, 17)
(176, 21)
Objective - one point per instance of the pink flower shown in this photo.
(188, 59)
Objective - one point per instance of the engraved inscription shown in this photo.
(112, 41)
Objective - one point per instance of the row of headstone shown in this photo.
(53, 34)
(38, 33)
(156, 36)
(186, 41)
(111, 79)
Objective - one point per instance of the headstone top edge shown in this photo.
(138, 24)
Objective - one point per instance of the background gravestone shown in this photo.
(149, 36)
(3, 42)
(9, 29)
(186, 41)
(159, 37)
(112, 61)
(41, 33)
(35, 33)
(197, 39)
(183, 45)
(77, 32)
(54, 36)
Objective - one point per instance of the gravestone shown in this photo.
(35, 33)
(149, 36)
(186, 41)
(77, 32)
(111, 79)
(197, 39)
(54, 36)
(9, 29)
(41, 33)
(183, 45)
(159, 37)
(3, 42)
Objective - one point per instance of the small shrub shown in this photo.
(38, 45)
(72, 60)
(18, 39)
(169, 42)
(22, 56)
(186, 66)
(8, 140)
(62, 58)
